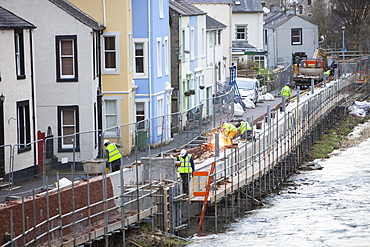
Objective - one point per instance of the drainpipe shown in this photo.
(33, 101)
(99, 99)
(104, 14)
(149, 74)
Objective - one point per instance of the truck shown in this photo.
(305, 70)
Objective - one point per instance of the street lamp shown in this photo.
(2, 98)
(343, 46)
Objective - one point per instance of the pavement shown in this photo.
(37, 185)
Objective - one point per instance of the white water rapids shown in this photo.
(328, 207)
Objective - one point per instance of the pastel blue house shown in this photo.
(151, 68)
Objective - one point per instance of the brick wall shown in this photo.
(44, 206)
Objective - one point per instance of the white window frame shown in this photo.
(245, 32)
(114, 133)
(145, 54)
(160, 114)
(19, 53)
(297, 36)
(146, 110)
(23, 126)
(260, 59)
(160, 4)
(64, 143)
(166, 57)
(159, 57)
(115, 70)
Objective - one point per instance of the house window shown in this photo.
(140, 58)
(309, 2)
(68, 123)
(111, 53)
(23, 126)
(219, 71)
(160, 116)
(140, 115)
(241, 33)
(66, 50)
(203, 40)
(159, 57)
(219, 37)
(19, 54)
(297, 36)
(183, 45)
(300, 9)
(192, 43)
(111, 117)
(166, 62)
(260, 60)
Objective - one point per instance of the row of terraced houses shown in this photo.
(76, 66)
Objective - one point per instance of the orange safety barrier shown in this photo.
(208, 189)
(199, 174)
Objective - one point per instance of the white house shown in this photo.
(247, 41)
(17, 96)
(215, 58)
(286, 33)
(188, 45)
(221, 10)
(66, 75)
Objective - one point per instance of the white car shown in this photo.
(249, 88)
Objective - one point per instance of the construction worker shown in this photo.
(114, 155)
(285, 91)
(230, 132)
(244, 128)
(186, 169)
(328, 72)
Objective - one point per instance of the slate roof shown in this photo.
(242, 45)
(78, 14)
(276, 19)
(247, 6)
(212, 23)
(212, 1)
(185, 8)
(8, 20)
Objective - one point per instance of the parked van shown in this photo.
(249, 88)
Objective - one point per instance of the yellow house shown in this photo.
(116, 68)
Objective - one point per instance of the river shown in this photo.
(327, 207)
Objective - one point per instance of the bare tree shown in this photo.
(321, 16)
(354, 15)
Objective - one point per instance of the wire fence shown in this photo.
(129, 203)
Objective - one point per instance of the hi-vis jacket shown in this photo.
(185, 165)
(244, 126)
(285, 91)
(114, 153)
(228, 128)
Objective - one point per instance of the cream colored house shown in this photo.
(116, 68)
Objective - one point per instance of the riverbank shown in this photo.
(341, 135)
(337, 137)
(145, 237)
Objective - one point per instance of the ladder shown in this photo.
(237, 97)
(208, 189)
